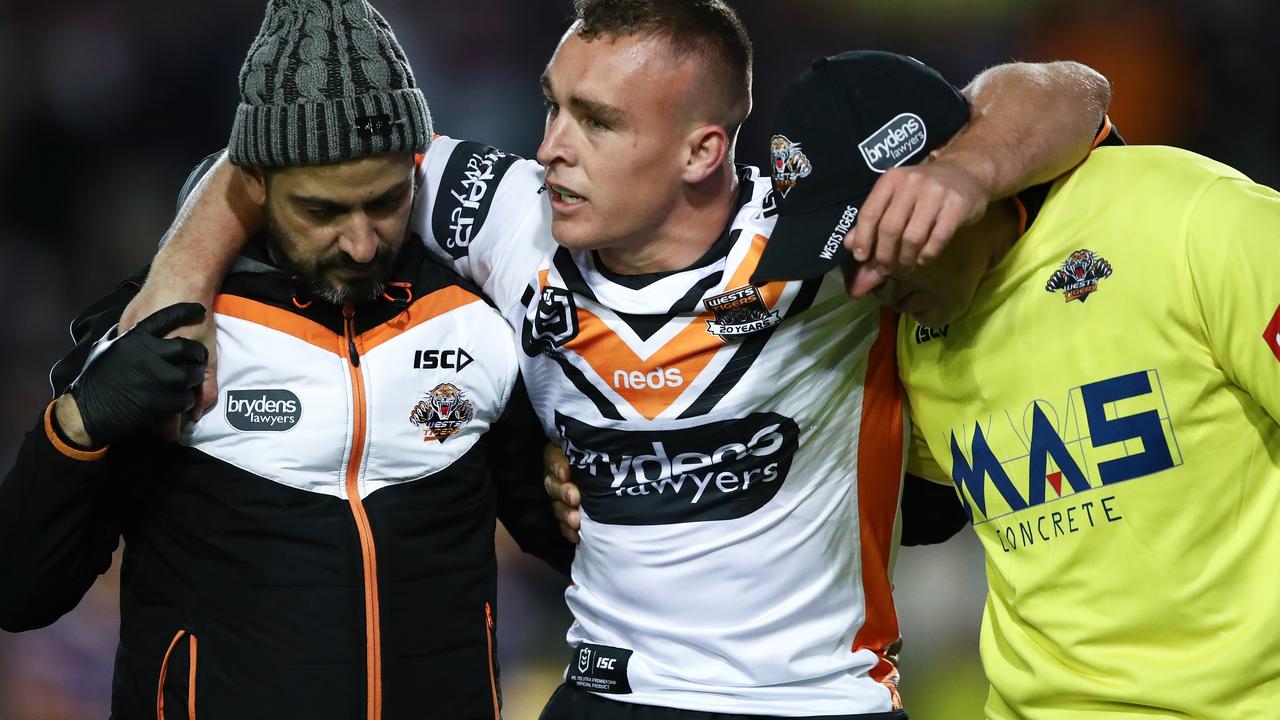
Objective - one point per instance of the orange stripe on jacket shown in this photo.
(429, 306)
(880, 444)
(278, 319)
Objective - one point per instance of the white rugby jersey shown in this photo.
(739, 452)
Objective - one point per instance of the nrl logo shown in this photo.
(1079, 275)
(789, 164)
(442, 412)
(557, 320)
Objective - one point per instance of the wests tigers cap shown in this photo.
(843, 123)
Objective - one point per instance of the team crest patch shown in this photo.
(790, 164)
(442, 412)
(1079, 275)
(740, 312)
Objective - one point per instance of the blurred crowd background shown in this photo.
(106, 105)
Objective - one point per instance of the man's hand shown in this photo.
(564, 495)
(151, 299)
(1029, 123)
(139, 380)
(912, 213)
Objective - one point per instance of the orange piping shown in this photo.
(164, 669)
(191, 678)
(493, 678)
(373, 631)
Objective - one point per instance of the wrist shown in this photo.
(69, 424)
(981, 168)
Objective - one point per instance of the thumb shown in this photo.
(865, 280)
(167, 319)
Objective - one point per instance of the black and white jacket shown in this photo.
(320, 544)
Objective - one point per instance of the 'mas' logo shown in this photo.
(895, 143)
(1103, 433)
(719, 471)
(262, 410)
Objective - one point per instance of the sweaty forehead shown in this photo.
(631, 71)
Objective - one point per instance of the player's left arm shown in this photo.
(1233, 247)
(1029, 123)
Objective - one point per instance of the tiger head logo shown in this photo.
(1079, 275)
(442, 412)
(790, 164)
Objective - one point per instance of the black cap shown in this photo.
(842, 124)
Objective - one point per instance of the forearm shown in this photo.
(1030, 123)
(211, 228)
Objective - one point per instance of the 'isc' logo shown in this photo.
(1104, 433)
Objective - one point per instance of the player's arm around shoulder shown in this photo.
(1233, 245)
(483, 211)
(1029, 123)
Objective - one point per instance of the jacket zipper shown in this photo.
(493, 679)
(372, 620)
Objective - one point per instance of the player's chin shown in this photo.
(576, 233)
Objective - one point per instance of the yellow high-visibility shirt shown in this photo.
(1108, 412)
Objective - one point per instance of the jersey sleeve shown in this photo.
(482, 211)
(1233, 252)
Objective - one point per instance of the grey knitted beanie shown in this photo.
(325, 81)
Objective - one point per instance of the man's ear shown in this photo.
(255, 184)
(708, 146)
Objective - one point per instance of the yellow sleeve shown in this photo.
(920, 460)
(1233, 254)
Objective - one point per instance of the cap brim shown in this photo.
(805, 245)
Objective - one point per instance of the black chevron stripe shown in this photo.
(533, 347)
(745, 356)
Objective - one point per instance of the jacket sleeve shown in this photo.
(516, 443)
(931, 513)
(59, 520)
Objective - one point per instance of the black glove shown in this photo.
(141, 378)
